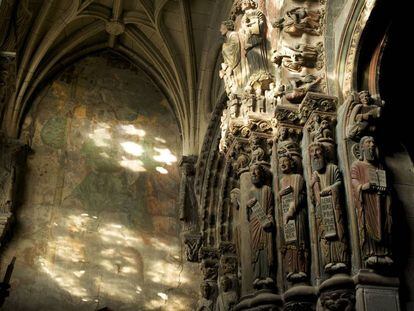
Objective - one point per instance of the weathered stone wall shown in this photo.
(98, 226)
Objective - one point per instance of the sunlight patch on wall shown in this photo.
(130, 129)
(164, 156)
(101, 135)
(161, 170)
(132, 148)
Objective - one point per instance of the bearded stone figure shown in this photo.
(260, 211)
(293, 201)
(373, 204)
(231, 54)
(326, 186)
(253, 27)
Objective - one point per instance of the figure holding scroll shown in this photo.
(260, 209)
(293, 201)
(373, 204)
(326, 186)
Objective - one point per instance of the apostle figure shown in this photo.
(228, 296)
(260, 211)
(363, 116)
(253, 25)
(293, 201)
(372, 201)
(326, 186)
(231, 54)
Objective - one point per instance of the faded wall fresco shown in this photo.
(98, 226)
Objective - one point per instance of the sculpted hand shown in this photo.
(366, 186)
(288, 217)
(286, 191)
(251, 202)
(326, 191)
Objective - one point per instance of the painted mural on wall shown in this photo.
(99, 227)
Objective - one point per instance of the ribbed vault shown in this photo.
(175, 41)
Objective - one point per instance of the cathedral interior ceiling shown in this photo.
(175, 42)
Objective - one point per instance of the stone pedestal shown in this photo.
(260, 301)
(300, 298)
(375, 292)
(336, 293)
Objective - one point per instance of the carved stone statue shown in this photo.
(260, 209)
(293, 201)
(260, 101)
(241, 157)
(373, 203)
(253, 26)
(228, 295)
(299, 21)
(235, 206)
(231, 55)
(304, 55)
(326, 186)
(233, 105)
(297, 89)
(270, 96)
(206, 301)
(363, 115)
(258, 152)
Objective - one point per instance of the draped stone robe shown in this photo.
(295, 253)
(334, 249)
(262, 239)
(374, 213)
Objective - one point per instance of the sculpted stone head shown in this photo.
(324, 124)
(257, 174)
(248, 4)
(317, 154)
(286, 163)
(226, 26)
(364, 97)
(368, 149)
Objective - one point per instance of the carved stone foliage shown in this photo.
(192, 246)
(316, 102)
